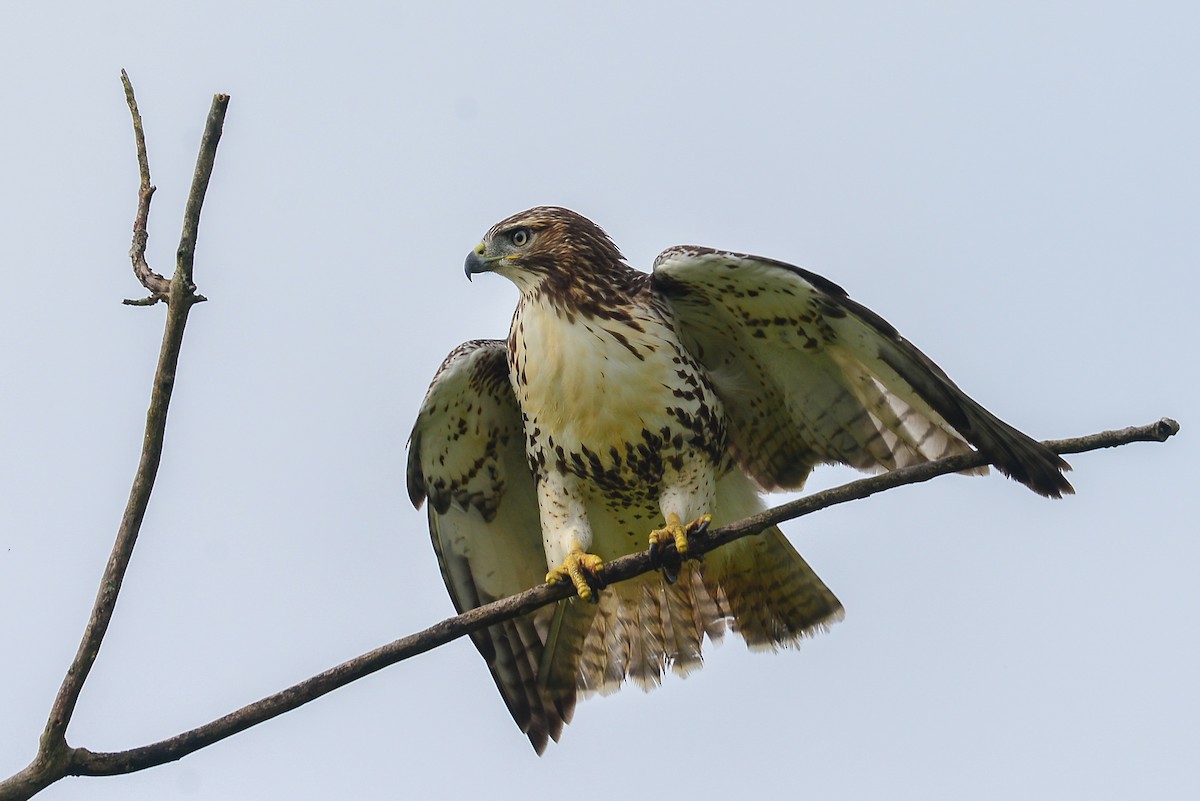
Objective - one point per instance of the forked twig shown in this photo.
(160, 287)
(54, 757)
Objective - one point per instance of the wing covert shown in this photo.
(810, 376)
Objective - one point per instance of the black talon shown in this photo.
(666, 559)
(595, 584)
(670, 572)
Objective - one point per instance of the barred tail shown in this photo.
(759, 586)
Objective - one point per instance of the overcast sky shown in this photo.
(1014, 189)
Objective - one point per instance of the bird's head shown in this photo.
(542, 242)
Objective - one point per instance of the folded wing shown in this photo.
(466, 455)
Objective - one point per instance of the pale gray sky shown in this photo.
(1014, 188)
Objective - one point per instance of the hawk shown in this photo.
(628, 409)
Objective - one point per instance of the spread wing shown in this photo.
(809, 376)
(466, 455)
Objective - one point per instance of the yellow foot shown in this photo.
(677, 533)
(581, 568)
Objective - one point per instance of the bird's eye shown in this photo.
(519, 237)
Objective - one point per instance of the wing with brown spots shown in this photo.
(808, 376)
(466, 455)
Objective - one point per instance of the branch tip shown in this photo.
(150, 300)
(1166, 428)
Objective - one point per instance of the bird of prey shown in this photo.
(626, 410)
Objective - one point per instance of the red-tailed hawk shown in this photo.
(627, 408)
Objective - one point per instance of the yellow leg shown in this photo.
(581, 568)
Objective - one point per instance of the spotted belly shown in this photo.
(620, 405)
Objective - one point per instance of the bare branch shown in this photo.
(154, 282)
(84, 762)
(160, 287)
(191, 212)
(1159, 431)
(54, 757)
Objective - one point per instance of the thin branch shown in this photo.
(191, 212)
(1159, 431)
(158, 286)
(84, 762)
(54, 755)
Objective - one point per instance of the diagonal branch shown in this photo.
(84, 762)
(54, 755)
(191, 212)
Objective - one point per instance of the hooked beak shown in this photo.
(476, 263)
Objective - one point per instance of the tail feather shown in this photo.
(759, 586)
(776, 600)
(645, 639)
(686, 627)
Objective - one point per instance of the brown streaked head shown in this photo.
(542, 241)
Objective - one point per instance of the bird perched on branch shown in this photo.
(626, 410)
